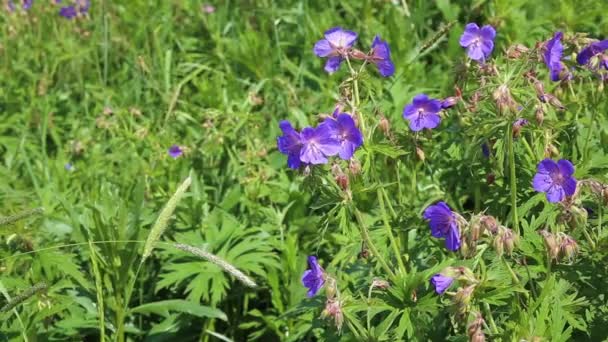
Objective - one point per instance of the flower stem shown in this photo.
(370, 244)
(588, 137)
(355, 101)
(512, 177)
(389, 232)
(490, 318)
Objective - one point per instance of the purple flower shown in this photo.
(314, 277)
(346, 133)
(68, 12)
(423, 112)
(175, 151)
(290, 143)
(521, 122)
(318, 144)
(553, 55)
(25, 5)
(441, 282)
(478, 42)
(80, 7)
(555, 179)
(335, 46)
(593, 49)
(443, 224)
(69, 167)
(485, 150)
(381, 56)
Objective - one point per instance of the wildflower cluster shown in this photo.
(342, 133)
(337, 135)
(69, 9)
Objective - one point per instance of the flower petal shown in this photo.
(431, 121)
(471, 32)
(441, 282)
(555, 194)
(488, 32)
(569, 186)
(452, 241)
(323, 48)
(420, 100)
(565, 167)
(333, 64)
(542, 182)
(386, 68)
(341, 38)
(547, 166)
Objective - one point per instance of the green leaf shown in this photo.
(163, 308)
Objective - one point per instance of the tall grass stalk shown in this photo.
(163, 219)
(22, 297)
(20, 216)
(223, 264)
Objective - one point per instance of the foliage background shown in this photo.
(218, 83)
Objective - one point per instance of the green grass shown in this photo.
(110, 94)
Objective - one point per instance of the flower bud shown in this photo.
(551, 244)
(539, 114)
(462, 299)
(517, 126)
(473, 101)
(420, 153)
(577, 217)
(516, 51)
(554, 101)
(568, 247)
(509, 240)
(498, 245)
(489, 223)
(504, 100)
(449, 102)
(342, 181)
(355, 167)
(358, 54)
(381, 284)
(539, 88)
(340, 177)
(333, 309)
(475, 229)
(385, 126)
(551, 150)
(475, 329)
(464, 247)
(330, 287)
(306, 171)
(490, 178)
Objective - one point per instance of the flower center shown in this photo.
(558, 178)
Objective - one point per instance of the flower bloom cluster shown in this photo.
(75, 9)
(337, 135)
(25, 5)
(78, 8)
(337, 46)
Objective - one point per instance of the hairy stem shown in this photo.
(370, 244)
(490, 318)
(512, 177)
